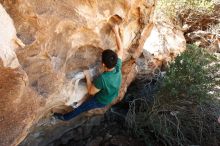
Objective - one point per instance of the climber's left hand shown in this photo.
(86, 73)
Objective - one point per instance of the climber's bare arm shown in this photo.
(118, 42)
(92, 90)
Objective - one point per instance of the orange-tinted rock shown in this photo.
(18, 106)
(61, 39)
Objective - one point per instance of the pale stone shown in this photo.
(163, 45)
(7, 40)
(57, 40)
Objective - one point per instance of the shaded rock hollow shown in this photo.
(48, 43)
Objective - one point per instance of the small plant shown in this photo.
(186, 108)
(173, 8)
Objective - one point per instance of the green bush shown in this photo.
(185, 110)
(191, 76)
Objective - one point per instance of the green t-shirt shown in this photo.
(109, 83)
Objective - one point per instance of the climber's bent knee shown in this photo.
(88, 105)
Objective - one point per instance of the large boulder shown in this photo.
(47, 45)
(164, 43)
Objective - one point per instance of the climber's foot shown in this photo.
(58, 116)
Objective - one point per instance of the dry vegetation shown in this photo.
(186, 105)
(186, 102)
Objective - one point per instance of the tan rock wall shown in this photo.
(60, 39)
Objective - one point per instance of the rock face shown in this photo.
(163, 45)
(44, 47)
(47, 45)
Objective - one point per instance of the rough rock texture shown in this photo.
(18, 102)
(56, 40)
(41, 62)
(7, 41)
(169, 43)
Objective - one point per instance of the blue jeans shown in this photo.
(88, 105)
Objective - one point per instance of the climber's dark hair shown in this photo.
(109, 58)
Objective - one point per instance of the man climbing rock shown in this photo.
(106, 86)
